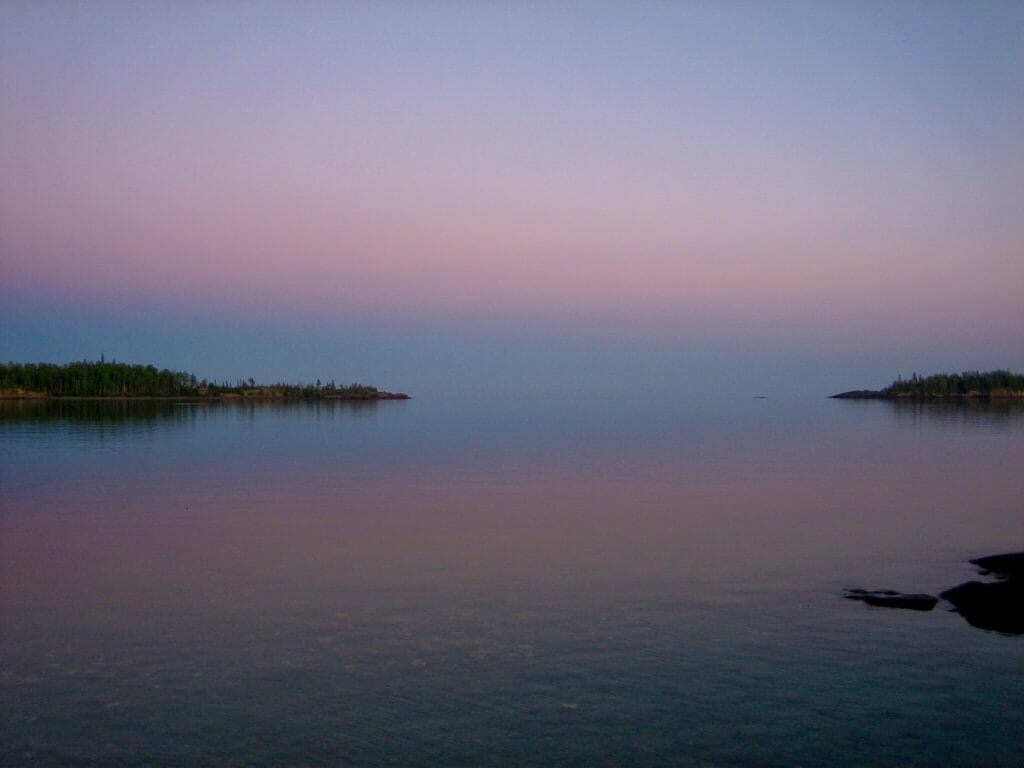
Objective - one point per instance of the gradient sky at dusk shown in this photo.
(541, 195)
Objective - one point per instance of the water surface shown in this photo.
(503, 581)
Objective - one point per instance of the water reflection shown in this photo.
(947, 413)
(164, 412)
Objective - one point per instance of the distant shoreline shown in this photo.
(1001, 385)
(114, 381)
(218, 398)
(879, 394)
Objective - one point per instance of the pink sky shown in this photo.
(785, 167)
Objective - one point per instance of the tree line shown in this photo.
(1001, 382)
(114, 379)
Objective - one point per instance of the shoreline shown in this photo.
(871, 394)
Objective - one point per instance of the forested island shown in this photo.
(1001, 384)
(104, 379)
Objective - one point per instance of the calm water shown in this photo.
(484, 581)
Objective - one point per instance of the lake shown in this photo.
(504, 581)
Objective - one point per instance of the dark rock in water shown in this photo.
(1009, 566)
(860, 394)
(887, 598)
(996, 606)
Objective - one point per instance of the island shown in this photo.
(102, 380)
(991, 385)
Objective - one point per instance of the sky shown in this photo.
(527, 196)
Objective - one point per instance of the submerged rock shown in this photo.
(888, 598)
